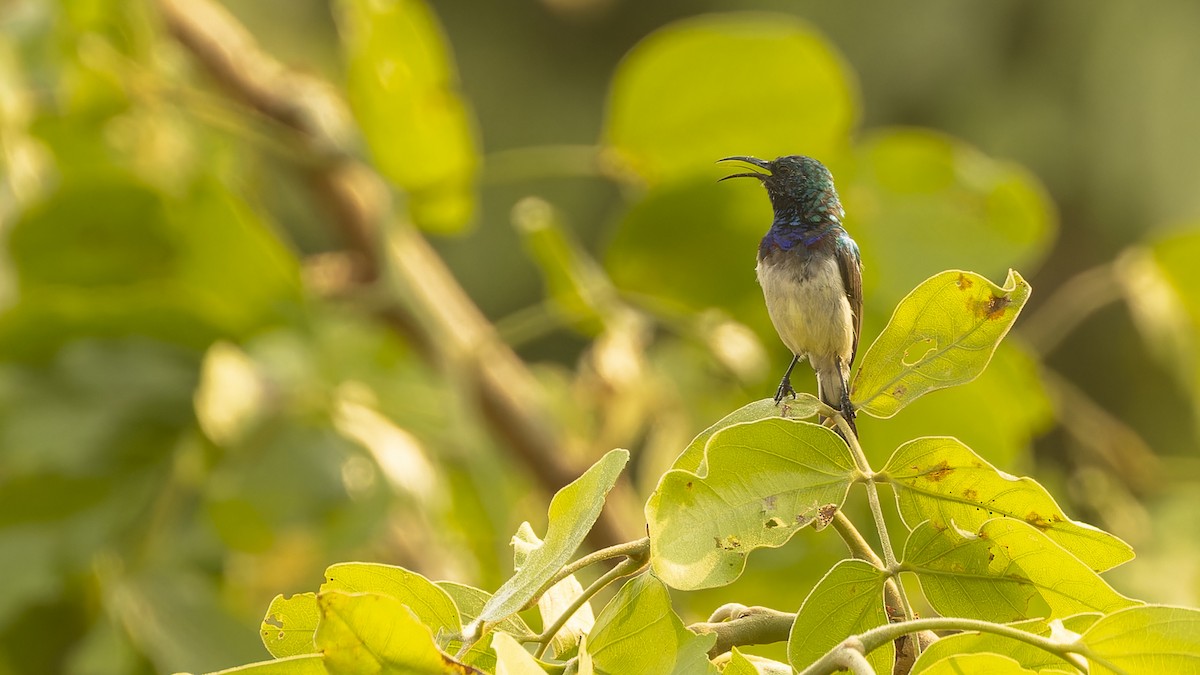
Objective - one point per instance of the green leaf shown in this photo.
(804, 406)
(303, 664)
(673, 92)
(847, 601)
(1151, 639)
(638, 632)
(288, 628)
(961, 664)
(403, 88)
(759, 483)
(511, 657)
(941, 480)
(1007, 571)
(373, 633)
(1023, 653)
(431, 605)
(942, 334)
(573, 511)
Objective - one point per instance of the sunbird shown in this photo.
(811, 274)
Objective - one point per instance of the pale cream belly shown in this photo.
(810, 312)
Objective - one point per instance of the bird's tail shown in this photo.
(832, 383)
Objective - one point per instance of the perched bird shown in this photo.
(811, 274)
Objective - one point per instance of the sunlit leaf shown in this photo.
(674, 96)
(1006, 571)
(403, 88)
(942, 334)
(288, 628)
(847, 601)
(573, 511)
(431, 605)
(941, 480)
(760, 482)
(373, 633)
(1151, 639)
(638, 633)
(511, 657)
(804, 406)
(1023, 653)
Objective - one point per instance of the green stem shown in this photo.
(885, 540)
(631, 549)
(831, 662)
(856, 662)
(625, 568)
(860, 549)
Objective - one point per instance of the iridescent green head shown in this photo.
(801, 189)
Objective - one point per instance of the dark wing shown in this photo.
(851, 266)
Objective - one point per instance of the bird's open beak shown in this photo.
(762, 164)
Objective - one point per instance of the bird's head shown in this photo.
(797, 185)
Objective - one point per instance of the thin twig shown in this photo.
(627, 567)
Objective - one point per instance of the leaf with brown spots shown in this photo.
(1004, 570)
(941, 335)
(758, 484)
(939, 479)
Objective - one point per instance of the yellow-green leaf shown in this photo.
(942, 480)
(638, 633)
(372, 633)
(942, 334)
(573, 511)
(288, 628)
(760, 482)
(675, 94)
(804, 406)
(431, 605)
(1005, 571)
(847, 601)
(1152, 639)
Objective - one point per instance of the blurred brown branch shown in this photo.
(423, 301)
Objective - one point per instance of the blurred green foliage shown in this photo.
(190, 423)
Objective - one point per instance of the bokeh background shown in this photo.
(292, 282)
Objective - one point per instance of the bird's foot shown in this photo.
(785, 389)
(847, 406)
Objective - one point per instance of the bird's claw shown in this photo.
(785, 389)
(847, 406)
